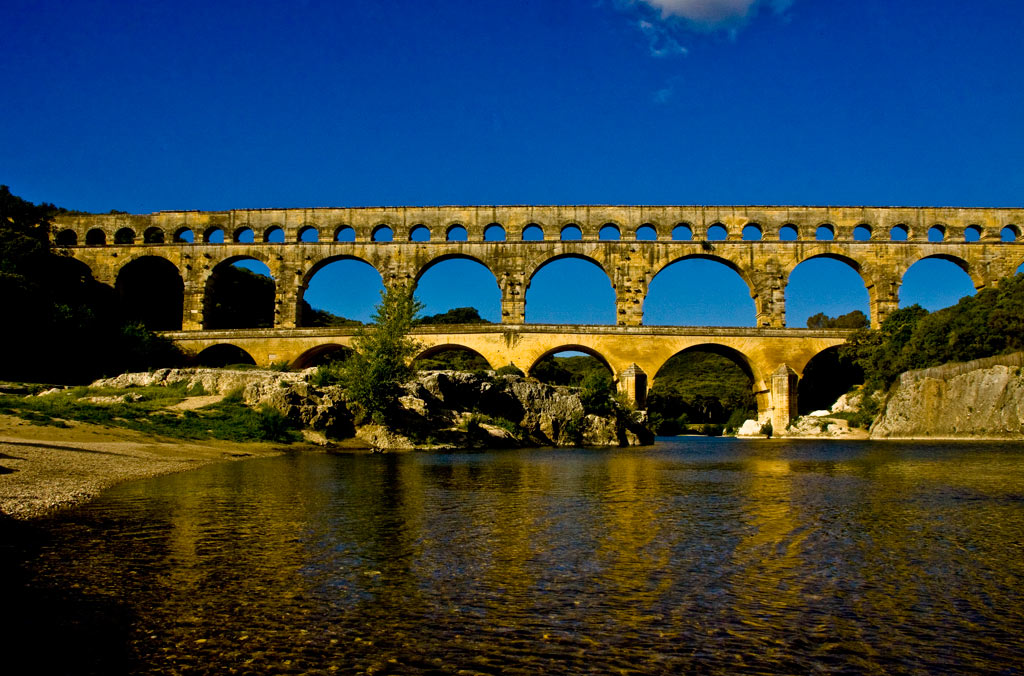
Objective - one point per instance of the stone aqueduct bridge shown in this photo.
(384, 237)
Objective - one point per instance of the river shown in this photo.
(694, 556)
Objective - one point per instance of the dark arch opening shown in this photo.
(533, 233)
(936, 233)
(609, 231)
(826, 377)
(495, 232)
(825, 233)
(1010, 233)
(340, 291)
(822, 288)
(184, 235)
(899, 233)
(972, 233)
(705, 389)
(382, 233)
(862, 233)
(682, 233)
(153, 235)
(213, 235)
(451, 358)
(752, 232)
(239, 295)
(456, 233)
(570, 290)
(344, 234)
(124, 236)
(309, 234)
(935, 282)
(322, 355)
(244, 235)
(699, 291)
(569, 365)
(274, 234)
(66, 238)
(419, 233)
(95, 237)
(449, 286)
(224, 354)
(150, 290)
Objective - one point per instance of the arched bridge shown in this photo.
(631, 244)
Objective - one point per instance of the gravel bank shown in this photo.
(43, 469)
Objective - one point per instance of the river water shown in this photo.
(694, 556)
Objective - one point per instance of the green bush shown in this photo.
(510, 370)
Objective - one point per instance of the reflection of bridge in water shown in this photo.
(172, 260)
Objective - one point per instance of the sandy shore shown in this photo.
(43, 469)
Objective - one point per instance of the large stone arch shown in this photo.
(588, 254)
(660, 266)
(432, 350)
(758, 372)
(150, 289)
(862, 269)
(316, 354)
(574, 347)
(973, 271)
(223, 354)
(209, 282)
(449, 256)
(295, 299)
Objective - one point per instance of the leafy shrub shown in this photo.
(510, 370)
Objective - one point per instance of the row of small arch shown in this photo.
(496, 233)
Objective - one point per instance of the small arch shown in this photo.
(456, 233)
(533, 233)
(789, 233)
(899, 233)
(274, 234)
(646, 233)
(752, 232)
(95, 237)
(972, 233)
(451, 357)
(243, 235)
(66, 238)
(610, 232)
(717, 232)
(682, 233)
(124, 236)
(571, 232)
(213, 235)
(825, 233)
(1010, 233)
(937, 233)
(224, 354)
(184, 235)
(382, 233)
(345, 233)
(153, 235)
(568, 365)
(495, 232)
(322, 355)
(309, 234)
(419, 233)
(862, 233)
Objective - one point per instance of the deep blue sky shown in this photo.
(200, 105)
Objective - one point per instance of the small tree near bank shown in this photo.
(373, 376)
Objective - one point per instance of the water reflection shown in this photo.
(703, 555)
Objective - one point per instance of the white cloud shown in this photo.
(713, 14)
(660, 42)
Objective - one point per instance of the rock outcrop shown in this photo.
(981, 399)
(440, 409)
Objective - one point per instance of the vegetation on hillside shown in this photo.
(988, 323)
(241, 299)
(572, 371)
(60, 324)
(699, 391)
(851, 320)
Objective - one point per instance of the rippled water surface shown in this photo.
(697, 555)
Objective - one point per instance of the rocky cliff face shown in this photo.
(975, 400)
(439, 408)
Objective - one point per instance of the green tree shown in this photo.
(373, 376)
(459, 315)
(851, 320)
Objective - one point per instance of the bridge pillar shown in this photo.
(883, 299)
(630, 292)
(287, 290)
(192, 308)
(633, 383)
(784, 404)
(770, 299)
(513, 297)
